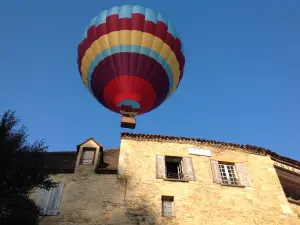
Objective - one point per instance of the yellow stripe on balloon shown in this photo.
(131, 37)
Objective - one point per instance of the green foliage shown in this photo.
(19, 209)
(21, 170)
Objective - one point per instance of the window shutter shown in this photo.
(160, 167)
(215, 171)
(54, 202)
(243, 175)
(188, 168)
(44, 200)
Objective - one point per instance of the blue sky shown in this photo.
(240, 82)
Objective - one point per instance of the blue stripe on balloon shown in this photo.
(125, 11)
(84, 36)
(101, 18)
(138, 9)
(113, 11)
(92, 22)
(161, 19)
(130, 48)
(150, 15)
(171, 30)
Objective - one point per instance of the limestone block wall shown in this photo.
(296, 210)
(201, 201)
(89, 198)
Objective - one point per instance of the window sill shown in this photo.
(232, 185)
(178, 180)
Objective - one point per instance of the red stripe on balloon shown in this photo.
(112, 23)
(125, 24)
(161, 30)
(146, 68)
(118, 90)
(137, 21)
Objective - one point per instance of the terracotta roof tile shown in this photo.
(226, 145)
(283, 158)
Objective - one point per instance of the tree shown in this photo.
(21, 169)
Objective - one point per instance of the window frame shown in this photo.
(169, 199)
(86, 149)
(241, 174)
(228, 181)
(180, 176)
(188, 171)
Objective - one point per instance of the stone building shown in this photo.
(153, 179)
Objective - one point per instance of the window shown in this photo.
(228, 174)
(174, 168)
(87, 156)
(234, 174)
(168, 206)
(50, 200)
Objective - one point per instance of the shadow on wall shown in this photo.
(141, 210)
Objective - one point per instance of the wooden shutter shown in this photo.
(243, 175)
(44, 200)
(188, 168)
(215, 171)
(54, 202)
(160, 167)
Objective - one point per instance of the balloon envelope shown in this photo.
(130, 59)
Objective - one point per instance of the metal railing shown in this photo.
(171, 175)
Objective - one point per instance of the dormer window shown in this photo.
(87, 156)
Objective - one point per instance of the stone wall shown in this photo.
(89, 198)
(201, 201)
(296, 209)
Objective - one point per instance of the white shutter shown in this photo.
(160, 167)
(44, 200)
(215, 171)
(243, 175)
(188, 169)
(54, 202)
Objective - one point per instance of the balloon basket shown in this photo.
(128, 122)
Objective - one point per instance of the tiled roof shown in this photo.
(111, 157)
(66, 161)
(226, 145)
(55, 162)
(284, 159)
(111, 161)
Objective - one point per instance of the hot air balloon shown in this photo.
(131, 60)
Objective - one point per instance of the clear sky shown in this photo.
(241, 79)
